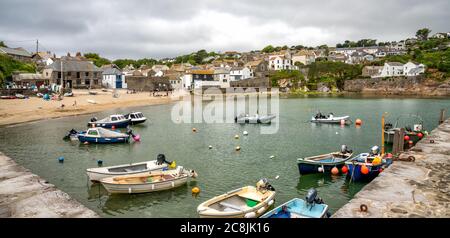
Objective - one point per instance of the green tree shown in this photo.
(9, 65)
(2, 44)
(422, 34)
(268, 49)
(95, 57)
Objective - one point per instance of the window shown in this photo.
(78, 75)
(113, 118)
(132, 116)
(78, 81)
(87, 82)
(86, 74)
(93, 132)
(95, 75)
(95, 82)
(46, 73)
(69, 73)
(59, 75)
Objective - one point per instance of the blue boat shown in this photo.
(373, 161)
(101, 135)
(117, 121)
(299, 208)
(324, 163)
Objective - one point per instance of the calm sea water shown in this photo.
(38, 145)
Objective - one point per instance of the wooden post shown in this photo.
(398, 144)
(442, 117)
(382, 132)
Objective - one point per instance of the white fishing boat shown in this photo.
(136, 118)
(97, 174)
(147, 182)
(330, 119)
(256, 119)
(245, 202)
(117, 121)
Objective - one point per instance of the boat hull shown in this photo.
(121, 124)
(97, 174)
(255, 120)
(103, 140)
(355, 174)
(336, 120)
(313, 168)
(138, 121)
(145, 188)
(297, 208)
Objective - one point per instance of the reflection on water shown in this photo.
(38, 145)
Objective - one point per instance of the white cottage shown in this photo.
(391, 69)
(412, 69)
(240, 73)
(113, 78)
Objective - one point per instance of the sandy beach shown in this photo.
(15, 111)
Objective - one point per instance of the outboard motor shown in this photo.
(312, 198)
(344, 149)
(388, 126)
(130, 132)
(94, 119)
(161, 158)
(263, 184)
(375, 150)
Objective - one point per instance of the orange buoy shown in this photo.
(411, 142)
(358, 122)
(194, 129)
(344, 169)
(335, 171)
(406, 138)
(195, 190)
(113, 128)
(420, 135)
(380, 170)
(364, 169)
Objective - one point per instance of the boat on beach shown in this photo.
(324, 163)
(330, 119)
(117, 121)
(72, 135)
(135, 118)
(311, 207)
(366, 166)
(152, 181)
(99, 135)
(245, 202)
(97, 174)
(256, 119)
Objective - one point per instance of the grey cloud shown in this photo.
(165, 28)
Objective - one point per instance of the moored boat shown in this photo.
(324, 163)
(366, 166)
(136, 117)
(413, 125)
(117, 121)
(147, 182)
(256, 119)
(97, 174)
(245, 202)
(311, 207)
(330, 119)
(101, 135)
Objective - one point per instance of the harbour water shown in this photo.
(38, 145)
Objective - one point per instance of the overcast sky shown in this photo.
(167, 28)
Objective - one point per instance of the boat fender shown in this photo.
(250, 215)
(270, 203)
(129, 189)
(153, 187)
(173, 184)
(261, 210)
(363, 208)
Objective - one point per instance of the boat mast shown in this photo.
(382, 132)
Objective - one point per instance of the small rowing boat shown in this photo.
(97, 174)
(311, 207)
(324, 163)
(256, 119)
(147, 182)
(245, 202)
(366, 166)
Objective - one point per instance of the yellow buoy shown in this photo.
(376, 161)
(195, 190)
(173, 165)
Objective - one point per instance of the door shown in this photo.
(118, 81)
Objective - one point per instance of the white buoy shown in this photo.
(277, 177)
(236, 137)
(337, 133)
(272, 156)
(210, 147)
(245, 133)
(238, 148)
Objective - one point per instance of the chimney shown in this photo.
(68, 54)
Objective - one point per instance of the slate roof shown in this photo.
(394, 64)
(111, 71)
(73, 66)
(15, 51)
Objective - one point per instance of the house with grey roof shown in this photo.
(113, 77)
(391, 69)
(73, 72)
(17, 53)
